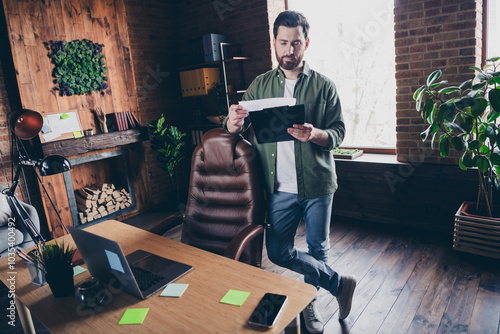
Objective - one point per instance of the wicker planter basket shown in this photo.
(476, 234)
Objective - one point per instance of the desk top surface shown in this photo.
(198, 310)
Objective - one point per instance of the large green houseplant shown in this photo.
(464, 118)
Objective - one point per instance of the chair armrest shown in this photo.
(239, 242)
(167, 223)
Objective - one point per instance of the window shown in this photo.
(492, 29)
(352, 42)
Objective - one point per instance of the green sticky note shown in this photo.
(133, 316)
(174, 290)
(64, 116)
(235, 297)
(77, 270)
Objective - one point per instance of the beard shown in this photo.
(289, 65)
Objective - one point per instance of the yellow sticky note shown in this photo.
(235, 297)
(77, 134)
(133, 316)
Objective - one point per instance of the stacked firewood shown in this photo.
(100, 200)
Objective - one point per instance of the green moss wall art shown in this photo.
(79, 67)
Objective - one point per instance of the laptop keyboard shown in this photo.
(145, 279)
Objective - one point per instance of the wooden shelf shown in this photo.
(212, 63)
(72, 147)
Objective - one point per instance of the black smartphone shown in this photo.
(268, 310)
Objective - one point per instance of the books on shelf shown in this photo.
(125, 120)
(196, 136)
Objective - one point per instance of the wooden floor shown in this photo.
(407, 283)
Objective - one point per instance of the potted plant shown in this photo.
(57, 262)
(464, 118)
(344, 153)
(218, 103)
(169, 143)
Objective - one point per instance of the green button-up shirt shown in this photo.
(314, 164)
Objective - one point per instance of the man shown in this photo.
(300, 174)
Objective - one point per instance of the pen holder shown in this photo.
(37, 275)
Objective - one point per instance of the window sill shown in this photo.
(373, 158)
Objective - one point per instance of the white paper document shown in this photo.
(51, 136)
(256, 105)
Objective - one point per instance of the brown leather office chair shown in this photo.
(226, 207)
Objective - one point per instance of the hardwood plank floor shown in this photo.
(408, 282)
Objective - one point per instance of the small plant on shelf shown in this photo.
(218, 94)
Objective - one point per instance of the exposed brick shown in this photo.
(434, 29)
(450, 41)
(438, 63)
(400, 34)
(434, 46)
(449, 9)
(420, 65)
(417, 48)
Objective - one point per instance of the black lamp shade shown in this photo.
(54, 164)
(26, 123)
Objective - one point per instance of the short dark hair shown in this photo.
(291, 19)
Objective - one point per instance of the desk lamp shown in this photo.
(25, 125)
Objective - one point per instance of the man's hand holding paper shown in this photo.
(236, 118)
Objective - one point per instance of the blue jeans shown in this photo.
(285, 213)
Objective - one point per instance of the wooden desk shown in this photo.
(197, 311)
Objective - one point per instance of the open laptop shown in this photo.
(140, 273)
(270, 124)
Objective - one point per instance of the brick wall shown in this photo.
(4, 132)
(430, 35)
(5, 159)
(152, 34)
(243, 22)
(158, 33)
(9, 100)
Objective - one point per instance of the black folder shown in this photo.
(270, 124)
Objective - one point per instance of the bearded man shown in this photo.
(300, 173)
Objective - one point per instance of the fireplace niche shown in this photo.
(110, 158)
(92, 171)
